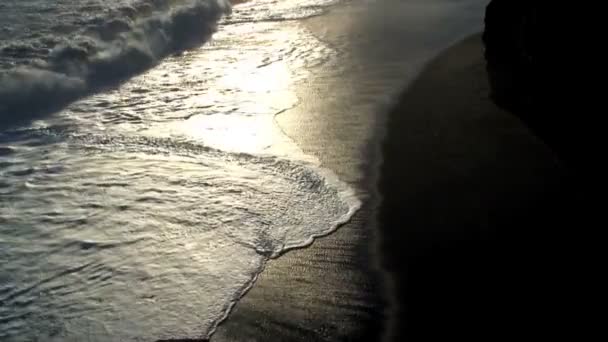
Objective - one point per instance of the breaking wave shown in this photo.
(44, 72)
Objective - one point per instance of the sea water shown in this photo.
(144, 182)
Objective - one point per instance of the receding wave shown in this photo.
(139, 239)
(48, 71)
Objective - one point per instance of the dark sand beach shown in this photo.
(460, 199)
(466, 193)
(470, 202)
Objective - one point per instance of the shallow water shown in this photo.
(144, 211)
(119, 239)
(148, 200)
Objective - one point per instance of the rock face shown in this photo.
(509, 51)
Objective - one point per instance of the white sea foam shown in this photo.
(145, 236)
(138, 213)
(52, 53)
(48, 69)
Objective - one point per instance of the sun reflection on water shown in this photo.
(230, 103)
(250, 127)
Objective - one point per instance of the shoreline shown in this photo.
(454, 213)
(469, 196)
(333, 290)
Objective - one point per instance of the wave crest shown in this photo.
(105, 52)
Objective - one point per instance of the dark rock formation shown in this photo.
(549, 102)
(512, 65)
(509, 51)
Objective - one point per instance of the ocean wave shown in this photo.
(50, 71)
(123, 253)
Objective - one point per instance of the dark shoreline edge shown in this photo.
(470, 201)
(465, 196)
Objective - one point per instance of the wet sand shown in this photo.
(458, 195)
